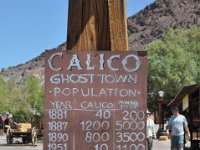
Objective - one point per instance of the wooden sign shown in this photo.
(95, 100)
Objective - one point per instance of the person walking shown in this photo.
(150, 131)
(176, 125)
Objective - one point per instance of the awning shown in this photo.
(183, 92)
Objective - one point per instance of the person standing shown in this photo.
(176, 125)
(150, 131)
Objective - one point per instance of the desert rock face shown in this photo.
(153, 21)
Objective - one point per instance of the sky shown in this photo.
(29, 27)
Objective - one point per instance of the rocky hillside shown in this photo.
(143, 27)
(153, 22)
(34, 67)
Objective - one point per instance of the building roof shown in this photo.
(183, 92)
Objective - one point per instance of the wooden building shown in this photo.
(188, 100)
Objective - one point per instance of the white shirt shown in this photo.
(150, 125)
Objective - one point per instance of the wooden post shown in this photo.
(97, 25)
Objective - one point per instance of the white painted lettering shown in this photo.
(61, 105)
(96, 105)
(74, 62)
(137, 63)
(51, 60)
(110, 60)
(88, 63)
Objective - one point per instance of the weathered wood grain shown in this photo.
(118, 25)
(97, 25)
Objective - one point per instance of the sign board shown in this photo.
(95, 100)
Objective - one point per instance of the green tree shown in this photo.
(13, 94)
(3, 95)
(30, 97)
(22, 100)
(174, 61)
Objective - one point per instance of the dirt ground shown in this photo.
(5, 146)
(157, 145)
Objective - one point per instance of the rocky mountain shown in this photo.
(153, 21)
(34, 67)
(147, 25)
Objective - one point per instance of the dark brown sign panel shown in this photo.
(95, 100)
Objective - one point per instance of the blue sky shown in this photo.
(29, 27)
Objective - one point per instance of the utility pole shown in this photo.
(97, 25)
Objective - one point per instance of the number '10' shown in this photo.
(101, 147)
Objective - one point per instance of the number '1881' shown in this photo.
(57, 114)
